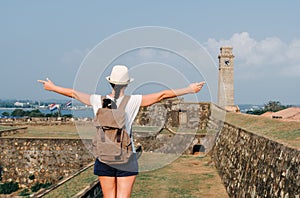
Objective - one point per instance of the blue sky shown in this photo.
(42, 39)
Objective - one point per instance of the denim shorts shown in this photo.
(120, 170)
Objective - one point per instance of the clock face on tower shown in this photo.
(227, 62)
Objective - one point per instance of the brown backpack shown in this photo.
(112, 143)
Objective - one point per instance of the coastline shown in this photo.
(82, 112)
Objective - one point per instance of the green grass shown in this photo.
(286, 132)
(86, 131)
(188, 176)
(52, 131)
(73, 186)
(5, 127)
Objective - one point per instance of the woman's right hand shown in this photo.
(80, 96)
(196, 87)
(48, 84)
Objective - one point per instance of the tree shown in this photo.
(256, 111)
(36, 113)
(18, 112)
(5, 114)
(274, 106)
(8, 187)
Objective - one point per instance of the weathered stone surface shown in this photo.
(254, 166)
(41, 158)
(184, 115)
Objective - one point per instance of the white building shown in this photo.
(19, 104)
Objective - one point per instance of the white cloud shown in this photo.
(293, 52)
(257, 56)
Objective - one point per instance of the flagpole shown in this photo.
(53, 107)
(59, 111)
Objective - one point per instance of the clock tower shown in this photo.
(226, 79)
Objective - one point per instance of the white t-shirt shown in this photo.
(131, 109)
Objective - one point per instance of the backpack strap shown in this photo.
(123, 105)
(124, 102)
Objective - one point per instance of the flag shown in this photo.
(68, 104)
(53, 107)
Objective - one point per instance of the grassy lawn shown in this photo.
(286, 132)
(57, 131)
(5, 127)
(73, 186)
(188, 176)
(63, 131)
(87, 130)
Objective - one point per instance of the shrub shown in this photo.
(24, 192)
(5, 114)
(31, 177)
(9, 187)
(46, 185)
(37, 186)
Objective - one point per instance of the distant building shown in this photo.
(19, 104)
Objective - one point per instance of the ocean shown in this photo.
(88, 112)
(79, 113)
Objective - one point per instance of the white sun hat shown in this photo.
(119, 75)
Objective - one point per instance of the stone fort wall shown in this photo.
(48, 160)
(254, 166)
(175, 114)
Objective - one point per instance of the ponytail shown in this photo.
(117, 89)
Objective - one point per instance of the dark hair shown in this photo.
(108, 103)
(117, 89)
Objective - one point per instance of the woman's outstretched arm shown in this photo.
(80, 96)
(156, 97)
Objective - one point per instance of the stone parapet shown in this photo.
(254, 166)
(32, 160)
(183, 115)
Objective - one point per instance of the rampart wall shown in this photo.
(254, 166)
(27, 161)
(182, 115)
